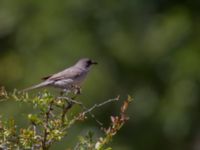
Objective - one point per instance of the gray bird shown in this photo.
(68, 78)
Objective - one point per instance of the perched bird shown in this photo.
(68, 78)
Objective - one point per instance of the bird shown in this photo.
(67, 79)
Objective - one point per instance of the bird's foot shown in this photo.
(77, 90)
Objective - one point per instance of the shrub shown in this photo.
(50, 123)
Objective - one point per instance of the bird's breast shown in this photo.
(79, 79)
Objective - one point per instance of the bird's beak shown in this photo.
(94, 63)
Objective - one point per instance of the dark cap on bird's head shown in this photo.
(86, 62)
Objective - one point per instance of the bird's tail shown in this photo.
(40, 85)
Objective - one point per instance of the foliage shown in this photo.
(51, 123)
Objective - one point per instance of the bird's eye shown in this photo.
(89, 61)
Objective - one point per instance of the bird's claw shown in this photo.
(77, 90)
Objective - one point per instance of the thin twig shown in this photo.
(90, 109)
(99, 105)
(83, 107)
(47, 117)
(65, 110)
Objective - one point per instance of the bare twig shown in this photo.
(90, 109)
(83, 107)
(45, 146)
(101, 104)
(65, 110)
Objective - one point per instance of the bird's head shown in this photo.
(85, 63)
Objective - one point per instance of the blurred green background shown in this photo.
(148, 49)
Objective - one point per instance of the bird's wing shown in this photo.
(70, 73)
(46, 77)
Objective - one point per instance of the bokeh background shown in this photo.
(148, 49)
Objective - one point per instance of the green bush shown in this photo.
(50, 122)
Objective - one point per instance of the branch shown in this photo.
(116, 123)
(44, 142)
(101, 104)
(90, 109)
(65, 110)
